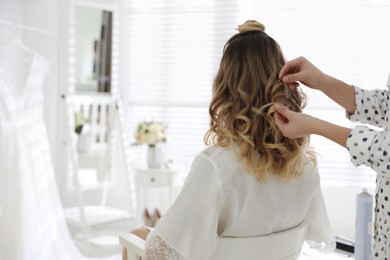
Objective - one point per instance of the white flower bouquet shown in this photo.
(150, 133)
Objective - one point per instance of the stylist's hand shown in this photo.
(302, 70)
(293, 124)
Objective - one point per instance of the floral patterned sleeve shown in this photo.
(157, 249)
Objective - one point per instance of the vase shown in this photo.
(84, 143)
(154, 156)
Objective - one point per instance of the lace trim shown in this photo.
(322, 246)
(157, 249)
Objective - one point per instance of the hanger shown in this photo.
(18, 26)
(32, 29)
(16, 40)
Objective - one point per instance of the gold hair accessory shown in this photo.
(251, 25)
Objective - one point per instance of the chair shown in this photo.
(94, 169)
(284, 245)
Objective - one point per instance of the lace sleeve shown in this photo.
(157, 249)
(322, 247)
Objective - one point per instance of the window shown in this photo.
(174, 48)
(345, 39)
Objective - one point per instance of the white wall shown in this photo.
(15, 14)
(341, 206)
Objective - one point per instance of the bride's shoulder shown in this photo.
(214, 151)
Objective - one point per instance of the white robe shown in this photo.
(219, 198)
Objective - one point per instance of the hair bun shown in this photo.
(251, 25)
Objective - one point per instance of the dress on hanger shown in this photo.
(32, 224)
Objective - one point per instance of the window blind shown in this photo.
(174, 49)
(173, 54)
(345, 39)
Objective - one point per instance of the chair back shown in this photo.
(284, 245)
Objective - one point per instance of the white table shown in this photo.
(153, 177)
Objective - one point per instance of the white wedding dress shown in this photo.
(32, 224)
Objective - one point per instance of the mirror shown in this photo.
(91, 103)
(92, 49)
(95, 174)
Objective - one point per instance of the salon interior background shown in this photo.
(169, 51)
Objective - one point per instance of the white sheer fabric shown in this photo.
(32, 225)
(220, 199)
(157, 249)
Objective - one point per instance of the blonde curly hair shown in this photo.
(241, 110)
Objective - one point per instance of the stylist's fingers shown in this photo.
(281, 117)
(280, 120)
(286, 121)
(292, 79)
(293, 85)
(282, 110)
(291, 67)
